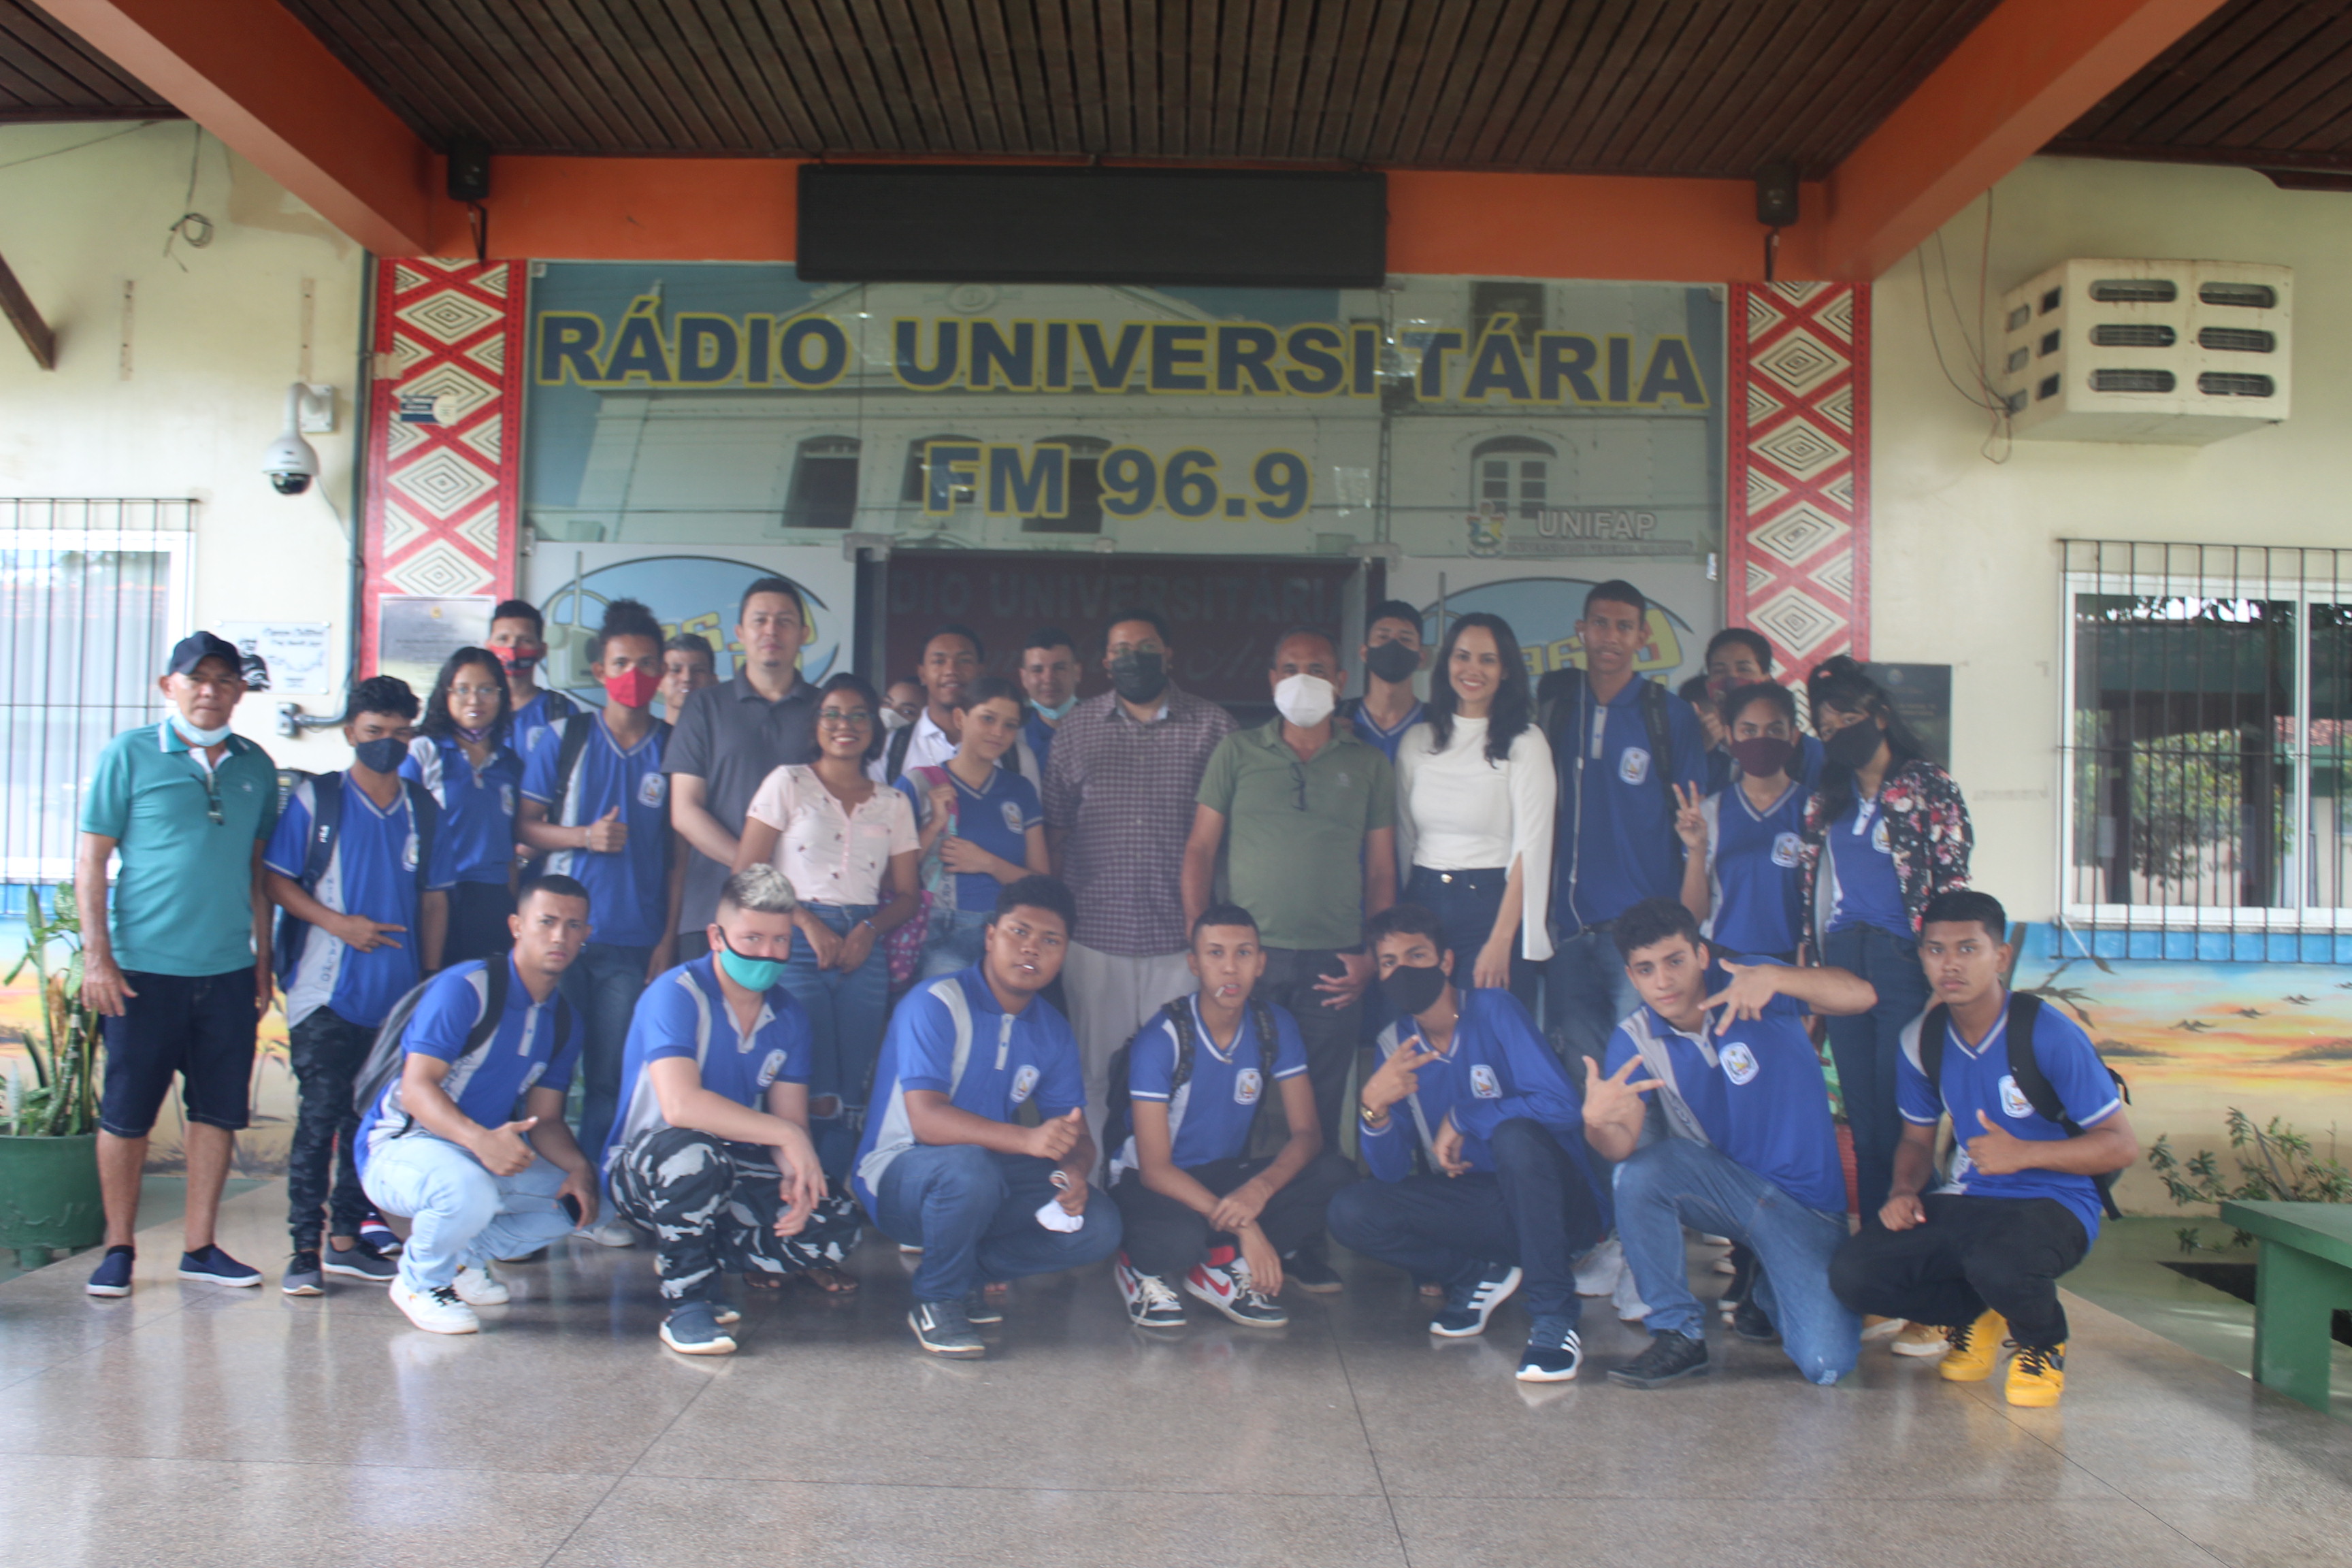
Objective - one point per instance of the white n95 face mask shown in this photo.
(1304, 700)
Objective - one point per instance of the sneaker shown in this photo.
(437, 1311)
(693, 1329)
(1553, 1352)
(1597, 1271)
(1150, 1304)
(1974, 1349)
(112, 1274)
(910, 1246)
(1751, 1322)
(1227, 1288)
(978, 1309)
(1311, 1272)
(302, 1276)
(1877, 1328)
(1469, 1306)
(362, 1261)
(611, 1231)
(942, 1328)
(477, 1287)
(213, 1267)
(1669, 1357)
(726, 1314)
(1921, 1340)
(378, 1235)
(1626, 1298)
(2037, 1375)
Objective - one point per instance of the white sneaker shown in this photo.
(611, 1231)
(1627, 1299)
(481, 1288)
(1598, 1271)
(437, 1311)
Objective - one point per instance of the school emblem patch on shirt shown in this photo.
(2012, 1099)
(653, 789)
(408, 853)
(1878, 839)
(1739, 1062)
(1025, 1083)
(771, 1068)
(1246, 1085)
(1011, 813)
(1634, 765)
(506, 799)
(1784, 850)
(1483, 1083)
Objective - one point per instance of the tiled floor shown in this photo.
(191, 1427)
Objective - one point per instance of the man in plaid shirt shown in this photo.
(1119, 787)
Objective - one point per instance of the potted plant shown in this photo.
(48, 1136)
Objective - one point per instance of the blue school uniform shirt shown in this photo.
(1210, 1115)
(1977, 1078)
(997, 818)
(684, 1013)
(629, 892)
(1372, 734)
(1624, 848)
(546, 709)
(1868, 892)
(1757, 1091)
(1013, 1059)
(524, 1054)
(1758, 898)
(478, 807)
(372, 871)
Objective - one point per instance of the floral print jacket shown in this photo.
(1927, 834)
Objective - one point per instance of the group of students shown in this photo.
(1082, 908)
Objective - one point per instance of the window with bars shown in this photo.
(93, 595)
(1512, 475)
(2205, 759)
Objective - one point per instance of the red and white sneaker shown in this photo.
(1227, 1288)
(1150, 1304)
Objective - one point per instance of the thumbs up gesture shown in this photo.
(608, 833)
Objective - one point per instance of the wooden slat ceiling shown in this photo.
(1652, 87)
(47, 73)
(2263, 84)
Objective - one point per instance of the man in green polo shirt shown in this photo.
(180, 973)
(1312, 815)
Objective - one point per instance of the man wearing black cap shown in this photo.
(180, 971)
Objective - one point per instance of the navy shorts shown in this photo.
(201, 1026)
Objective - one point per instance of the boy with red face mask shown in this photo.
(519, 637)
(595, 798)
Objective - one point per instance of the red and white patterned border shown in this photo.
(1799, 507)
(444, 492)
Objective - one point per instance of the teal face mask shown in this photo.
(1057, 714)
(750, 974)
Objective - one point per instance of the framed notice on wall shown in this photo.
(415, 632)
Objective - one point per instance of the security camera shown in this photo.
(291, 463)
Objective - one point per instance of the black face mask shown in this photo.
(382, 755)
(1853, 747)
(1139, 677)
(1413, 990)
(1393, 662)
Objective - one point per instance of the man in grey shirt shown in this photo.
(728, 739)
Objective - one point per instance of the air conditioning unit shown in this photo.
(2171, 353)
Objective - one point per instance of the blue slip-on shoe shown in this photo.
(213, 1267)
(692, 1329)
(112, 1274)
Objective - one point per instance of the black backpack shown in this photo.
(1119, 1106)
(576, 732)
(1561, 692)
(326, 827)
(2024, 1070)
(388, 1056)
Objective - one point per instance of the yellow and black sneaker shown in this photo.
(2037, 1375)
(1975, 1347)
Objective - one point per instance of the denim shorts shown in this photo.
(200, 1027)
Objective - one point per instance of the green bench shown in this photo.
(2305, 1277)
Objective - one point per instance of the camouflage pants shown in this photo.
(712, 1207)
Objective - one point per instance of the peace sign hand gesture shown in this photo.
(1690, 827)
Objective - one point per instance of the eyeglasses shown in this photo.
(473, 691)
(838, 716)
(1298, 786)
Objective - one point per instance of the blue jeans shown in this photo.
(1465, 904)
(1674, 1183)
(602, 986)
(974, 1214)
(1866, 1047)
(462, 1213)
(953, 941)
(847, 1010)
(1587, 993)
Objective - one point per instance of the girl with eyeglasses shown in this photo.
(463, 757)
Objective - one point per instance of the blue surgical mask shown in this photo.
(750, 974)
(1054, 715)
(195, 737)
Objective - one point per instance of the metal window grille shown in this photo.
(93, 595)
(2203, 776)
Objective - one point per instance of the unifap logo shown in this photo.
(1739, 1062)
(1785, 849)
(1484, 1084)
(1634, 765)
(1247, 1083)
(2012, 1099)
(1025, 1083)
(771, 1068)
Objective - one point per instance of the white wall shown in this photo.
(1964, 559)
(215, 340)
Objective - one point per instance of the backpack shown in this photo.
(1119, 1119)
(1563, 690)
(574, 741)
(326, 827)
(2032, 1082)
(387, 1057)
(894, 756)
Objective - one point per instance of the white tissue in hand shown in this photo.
(1054, 1217)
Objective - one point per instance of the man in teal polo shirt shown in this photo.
(1311, 810)
(181, 973)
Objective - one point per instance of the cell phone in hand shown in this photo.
(571, 1207)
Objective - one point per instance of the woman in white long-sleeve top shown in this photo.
(1476, 793)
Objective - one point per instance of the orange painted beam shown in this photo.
(2029, 70)
(249, 73)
